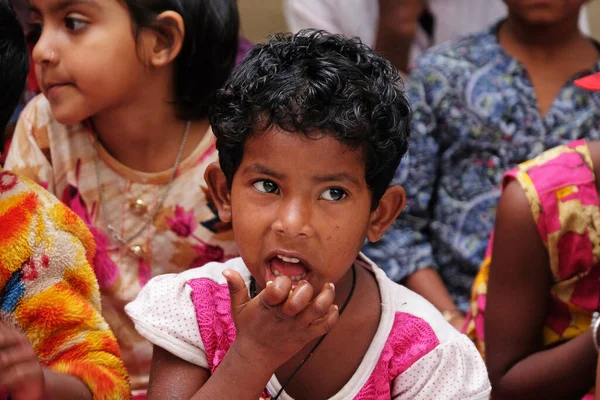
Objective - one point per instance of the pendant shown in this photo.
(138, 207)
(137, 251)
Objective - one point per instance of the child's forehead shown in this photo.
(315, 152)
(54, 6)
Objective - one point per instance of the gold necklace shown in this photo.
(114, 234)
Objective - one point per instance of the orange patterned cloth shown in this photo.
(48, 288)
(561, 189)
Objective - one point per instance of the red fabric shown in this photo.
(590, 82)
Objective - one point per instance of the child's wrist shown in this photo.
(251, 354)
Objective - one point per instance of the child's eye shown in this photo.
(334, 194)
(266, 186)
(75, 24)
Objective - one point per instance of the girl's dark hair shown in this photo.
(14, 64)
(316, 83)
(209, 47)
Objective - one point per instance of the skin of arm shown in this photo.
(518, 300)
(398, 24)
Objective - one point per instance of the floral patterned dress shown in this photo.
(185, 233)
(561, 188)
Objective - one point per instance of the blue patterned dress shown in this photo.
(475, 117)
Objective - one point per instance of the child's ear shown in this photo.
(163, 41)
(390, 205)
(217, 185)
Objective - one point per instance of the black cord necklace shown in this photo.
(253, 293)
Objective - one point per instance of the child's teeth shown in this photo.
(290, 260)
(275, 272)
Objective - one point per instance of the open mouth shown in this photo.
(288, 266)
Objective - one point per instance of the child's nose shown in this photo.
(44, 51)
(294, 219)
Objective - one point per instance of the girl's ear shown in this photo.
(390, 205)
(162, 42)
(217, 185)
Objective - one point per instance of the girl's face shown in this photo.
(85, 56)
(545, 12)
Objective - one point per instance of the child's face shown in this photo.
(85, 58)
(545, 12)
(301, 207)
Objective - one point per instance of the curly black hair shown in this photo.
(312, 83)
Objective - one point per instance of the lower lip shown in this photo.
(54, 91)
(271, 277)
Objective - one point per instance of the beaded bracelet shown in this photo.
(595, 325)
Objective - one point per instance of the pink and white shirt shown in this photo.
(415, 353)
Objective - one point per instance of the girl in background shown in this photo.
(120, 134)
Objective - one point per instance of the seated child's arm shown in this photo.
(51, 295)
(517, 305)
(270, 329)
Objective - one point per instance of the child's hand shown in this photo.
(21, 374)
(275, 325)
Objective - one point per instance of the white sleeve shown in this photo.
(454, 370)
(164, 314)
(318, 14)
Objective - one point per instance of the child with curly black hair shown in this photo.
(310, 130)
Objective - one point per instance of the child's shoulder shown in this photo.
(181, 312)
(170, 286)
(561, 167)
(412, 310)
(421, 352)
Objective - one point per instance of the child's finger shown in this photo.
(10, 336)
(319, 307)
(276, 292)
(324, 325)
(15, 355)
(17, 377)
(298, 300)
(238, 292)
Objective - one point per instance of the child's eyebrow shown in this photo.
(342, 176)
(62, 5)
(261, 169)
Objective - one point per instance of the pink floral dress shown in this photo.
(414, 355)
(185, 233)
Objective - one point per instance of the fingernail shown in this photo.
(291, 293)
(226, 275)
(336, 307)
(332, 286)
(269, 283)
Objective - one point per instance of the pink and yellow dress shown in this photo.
(561, 189)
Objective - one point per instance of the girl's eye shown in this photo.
(334, 194)
(75, 24)
(266, 186)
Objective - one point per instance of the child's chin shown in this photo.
(67, 117)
